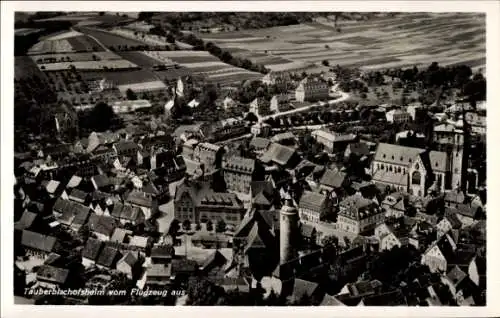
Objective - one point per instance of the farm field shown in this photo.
(110, 39)
(67, 42)
(122, 77)
(205, 64)
(385, 42)
(75, 57)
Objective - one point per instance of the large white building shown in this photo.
(312, 90)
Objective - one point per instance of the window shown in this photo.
(416, 178)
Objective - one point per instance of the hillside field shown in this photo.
(404, 40)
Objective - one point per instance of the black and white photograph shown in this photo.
(248, 158)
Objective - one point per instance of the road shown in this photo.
(344, 96)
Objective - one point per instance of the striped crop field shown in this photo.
(205, 64)
(402, 40)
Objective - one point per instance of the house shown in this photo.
(314, 206)
(332, 141)
(356, 150)
(280, 155)
(213, 262)
(52, 277)
(129, 264)
(334, 180)
(38, 245)
(209, 154)
(108, 258)
(467, 208)
(228, 103)
(312, 90)
(448, 223)
(439, 253)
(397, 116)
(304, 289)
(286, 139)
(158, 275)
(358, 214)
(74, 215)
(54, 188)
(263, 194)
(412, 170)
(129, 214)
(162, 254)
(28, 221)
(260, 107)
(79, 196)
(140, 243)
(392, 234)
(91, 251)
(125, 148)
(101, 182)
(146, 202)
(198, 202)
(394, 205)
(278, 101)
(240, 172)
(259, 145)
(121, 235)
(102, 226)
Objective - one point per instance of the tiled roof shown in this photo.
(26, 220)
(282, 136)
(130, 259)
(357, 207)
(119, 235)
(456, 275)
(125, 146)
(139, 241)
(140, 198)
(333, 178)
(159, 270)
(239, 164)
(92, 249)
(38, 241)
(52, 274)
(278, 153)
(303, 287)
(390, 177)
(312, 200)
(78, 195)
(396, 154)
(260, 143)
(102, 224)
(131, 213)
(101, 180)
(163, 251)
(215, 259)
(108, 256)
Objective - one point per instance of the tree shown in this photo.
(221, 226)
(198, 227)
(186, 225)
(347, 242)
(99, 118)
(174, 228)
(210, 226)
(131, 95)
(325, 63)
(202, 292)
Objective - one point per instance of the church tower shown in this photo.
(289, 224)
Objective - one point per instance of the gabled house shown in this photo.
(102, 226)
(52, 277)
(162, 254)
(108, 258)
(38, 245)
(439, 254)
(146, 202)
(314, 206)
(129, 264)
(91, 251)
(448, 223)
(334, 180)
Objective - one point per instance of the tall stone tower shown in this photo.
(289, 224)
